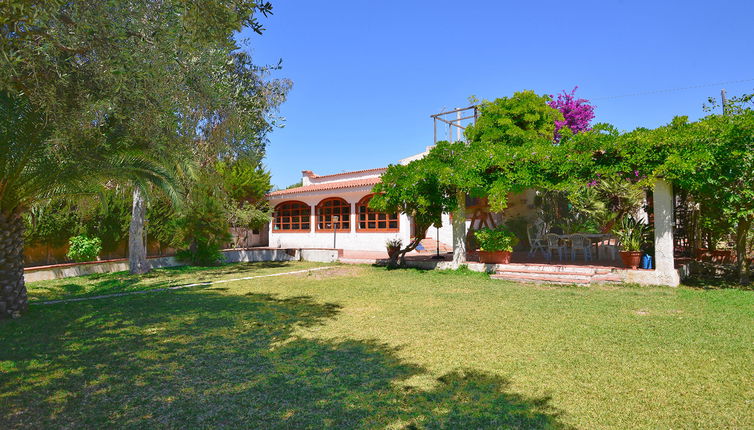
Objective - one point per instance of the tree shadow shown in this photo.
(205, 359)
(118, 282)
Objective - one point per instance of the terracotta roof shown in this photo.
(375, 170)
(355, 183)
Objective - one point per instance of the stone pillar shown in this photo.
(313, 219)
(354, 217)
(459, 231)
(663, 215)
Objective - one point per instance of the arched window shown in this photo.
(334, 207)
(371, 220)
(292, 217)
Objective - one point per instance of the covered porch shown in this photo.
(543, 267)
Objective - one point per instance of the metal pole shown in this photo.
(725, 101)
(437, 255)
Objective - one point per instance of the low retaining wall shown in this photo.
(68, 270)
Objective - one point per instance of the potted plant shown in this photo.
(393, 247)
(630, 234)
(495, 245)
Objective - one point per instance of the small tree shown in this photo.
(416, 190)
(84, 248)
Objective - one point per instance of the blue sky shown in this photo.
(367, 74)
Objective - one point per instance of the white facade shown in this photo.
(351, 187)
(351, 240)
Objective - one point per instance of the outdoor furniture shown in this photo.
(553, 243)
(608, 246)
(536, 241)
(580, 244)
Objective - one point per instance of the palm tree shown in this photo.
(35, 166)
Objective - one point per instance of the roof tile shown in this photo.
(355, 183)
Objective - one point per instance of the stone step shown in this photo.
(548, 280)
(546, 273)
(430, 245)
(559, 268)
(606, 279)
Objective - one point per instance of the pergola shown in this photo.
(664, 272)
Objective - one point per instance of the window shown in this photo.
(332, 207)
(371, 220)
(292, 217)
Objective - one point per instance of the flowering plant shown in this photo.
(577, 113)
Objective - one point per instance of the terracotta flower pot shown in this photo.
(631, 259)
(392, 251)
(495, 257)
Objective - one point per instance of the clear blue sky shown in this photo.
(367, 74)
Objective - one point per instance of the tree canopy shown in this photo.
(514, 146)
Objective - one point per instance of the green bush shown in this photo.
(203, 227)
(201, 254)
(631, 234)
(84, 248)
(498, 239)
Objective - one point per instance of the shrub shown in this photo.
(631, 234)
(201, 254)
(203, 228)
(83, 248)
(498, 239)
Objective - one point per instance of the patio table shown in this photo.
(596, 238)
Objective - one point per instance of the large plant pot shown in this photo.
(495, 257)
(631, 259)
(392, 251)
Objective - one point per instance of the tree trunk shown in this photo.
(742, 232)
(459, 230)
(13, 299)
(137, 248)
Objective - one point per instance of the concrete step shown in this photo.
(606, 279)
(558, 268)
(430, 245)
(557, 274)
(535, 279)
(546, 274)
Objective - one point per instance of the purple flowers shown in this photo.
(577, 113)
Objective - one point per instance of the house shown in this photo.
(332, 211)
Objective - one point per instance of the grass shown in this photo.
(364, 347)
(117, 282)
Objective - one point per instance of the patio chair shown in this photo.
(536, 241)
(581, 244)
(608, 247)
(553, 243)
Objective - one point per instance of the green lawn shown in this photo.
(364, 347)
(118, 282)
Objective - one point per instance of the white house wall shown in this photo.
(353, 240)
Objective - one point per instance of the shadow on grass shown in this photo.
(716, 283)
(204, 359)
(106, 283)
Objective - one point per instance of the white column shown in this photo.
(459, 231)
(313, 218)
(663, 214)
(354, 217)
